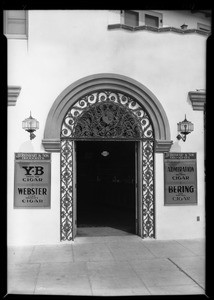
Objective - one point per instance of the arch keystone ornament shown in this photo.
(107, 107)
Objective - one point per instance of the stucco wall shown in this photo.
(64, 46)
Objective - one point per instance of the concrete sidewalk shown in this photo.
(115, 263)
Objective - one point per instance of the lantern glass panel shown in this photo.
(179, 127)
(30, 123)
(191, 126)
(184, 127)
(24, 124)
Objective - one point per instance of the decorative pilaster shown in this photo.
(148, 202)
(66, 202)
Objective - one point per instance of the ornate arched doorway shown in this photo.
(106, 115)
(114, 108)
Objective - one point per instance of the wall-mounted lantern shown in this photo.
(30, 125)
(184, 128)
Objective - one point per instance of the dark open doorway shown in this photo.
(106, 184)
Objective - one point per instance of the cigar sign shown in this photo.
(32, 180)
(180, 178)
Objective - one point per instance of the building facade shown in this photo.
(108, 89)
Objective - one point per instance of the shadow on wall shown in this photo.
(26, 147)
(175, 147)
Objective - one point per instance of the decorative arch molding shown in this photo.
(103, 81)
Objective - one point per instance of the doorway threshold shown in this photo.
(100, 231)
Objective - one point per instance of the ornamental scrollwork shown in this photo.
(107, 120)
(66, 203)
(106, 114)
(148, 190)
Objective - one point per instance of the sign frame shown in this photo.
(43, 159)
(190, 157)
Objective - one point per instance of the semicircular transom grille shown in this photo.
(106, 114)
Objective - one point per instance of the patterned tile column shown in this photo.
(66, 204)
